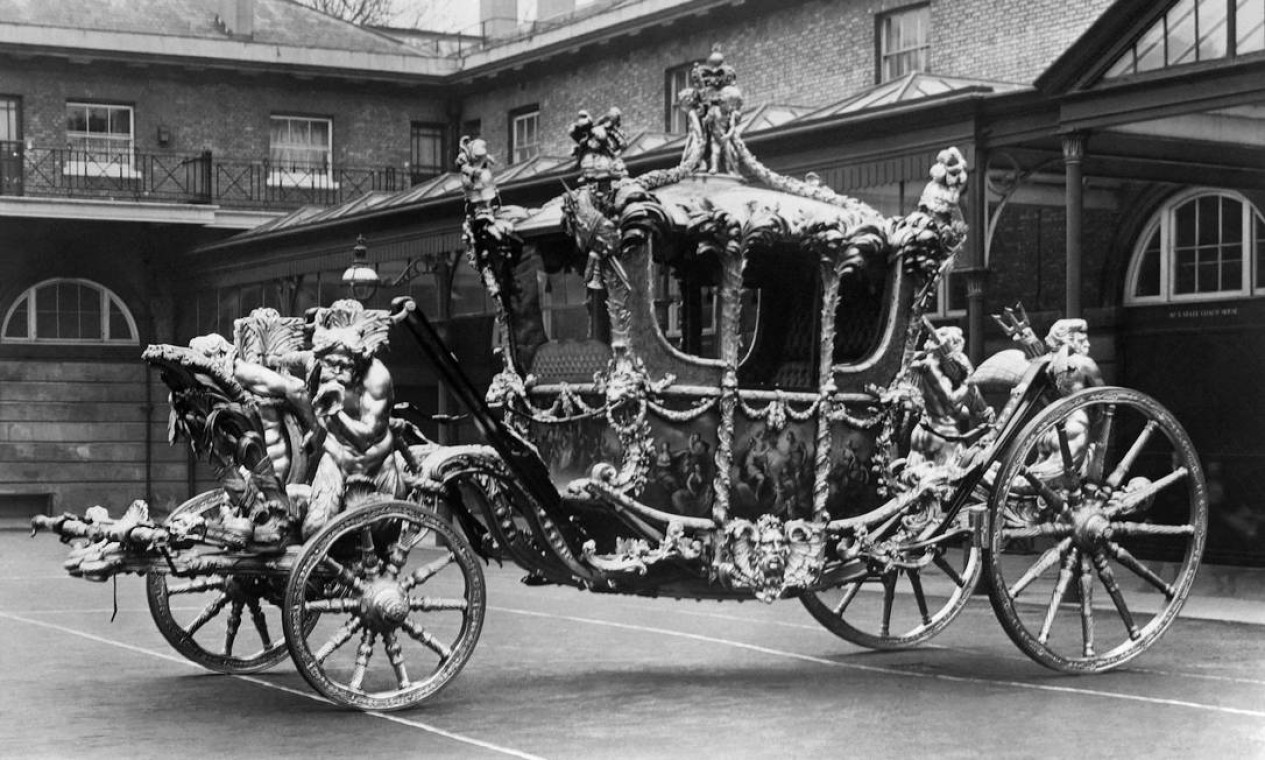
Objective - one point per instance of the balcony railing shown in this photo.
(185, 178)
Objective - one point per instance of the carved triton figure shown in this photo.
(352, 400)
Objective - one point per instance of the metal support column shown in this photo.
(1073, 156)
(974, 265)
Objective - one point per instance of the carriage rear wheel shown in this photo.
(203, 617)
(393, 577)
(905, 605)
(1101, 491)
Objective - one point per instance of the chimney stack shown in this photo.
(498, 18)
(548, 9)
(238, 17)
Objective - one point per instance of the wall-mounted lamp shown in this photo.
(164, 135)
(361, 279)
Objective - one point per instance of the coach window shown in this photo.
(69, 311)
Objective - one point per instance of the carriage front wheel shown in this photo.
(1101, 492)
(398, 597)
(226, 622)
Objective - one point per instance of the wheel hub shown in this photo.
(1090, 527)
(385, 606)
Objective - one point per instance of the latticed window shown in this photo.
(1196, 30)
(69, 311)
(904, 42)
(300, 144)
(1202, 245)
(524, 134)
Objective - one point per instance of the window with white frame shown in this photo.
(300, 150)
(949, 300)
(68, 311)
(904, 42)
(100, 140)
(1202, 245)
(524, 134)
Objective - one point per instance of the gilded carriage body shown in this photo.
(740, 397)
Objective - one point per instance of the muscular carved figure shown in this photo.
(352, 401)
(952, 404)
(268, 358)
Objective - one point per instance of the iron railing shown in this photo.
(186, 178)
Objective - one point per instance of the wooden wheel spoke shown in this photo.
(363, 653)
(1098, 457)
(1065, 451)
(915, 582)
(1122, 555)
(889, 597)
(395, 655)
(211, 610)
(340, 637)
(1060, 590)
(947, 568)
(434, 604)
(1129, 501)
(428, 571)
(1050, 529)
(1150, 529)
(261, 622)
(430, 642)
(345, 575)
(1046, 561)
(402, 547)
(233, 624)
(1108, 579)
(1126, 463)
(1087, 606)
(848, 596)
(368, 552)
(214, 583)
(1054, 500)
(343, 605)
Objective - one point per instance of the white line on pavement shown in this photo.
(886, 670)
(269, 684)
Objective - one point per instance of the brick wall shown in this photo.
(224, 112)
(796, 53)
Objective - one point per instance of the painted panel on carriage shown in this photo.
(571, 449)
(683, 467)
(853, 487)
(773, 471)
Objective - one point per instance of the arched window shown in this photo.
(1202, 245)
(69, 311)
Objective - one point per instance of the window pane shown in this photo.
(1249, 26)
(121, 121)
(76, 119)
(1181, 33)
(1208, 224)
(98, 120)
(1232, 268)
(904, 42)
(119, 328)
(1231, 221)
(1184, 271)
(1186, 225)
(1258, 225)
(1148, 282)
(1151, 48)
(1213, 32)
(17, 327)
